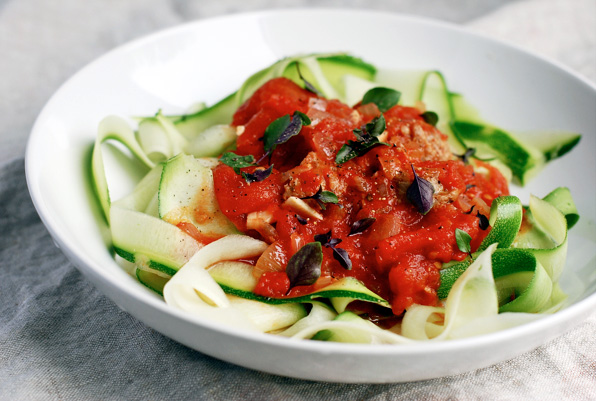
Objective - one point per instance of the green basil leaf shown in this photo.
(463, 240)
(274, 131)
(430, 117)
(354, 149)
(304, 267)
(377, 126)
(366, 140)
(282, 129)
(305, 119)
(323, 197)
(328, 197)
(384, 98)
(236, 161)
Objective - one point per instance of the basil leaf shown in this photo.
(304, 267)
(341, 255)
(323, 197)
(384, 98)
(367, 139)
(463, 240)
(328, 197)
(307, 85)
(420, 193)
(236, 161)
(323, 238)
(376, 126)
(430, 117)
(471, 152)
(305, 119)
(361, 225)
(483, 222)
(467, 154)
(258, 175)
(282, 129)
(274, 131)
(301, 219)
(354, 149)
(332, 242)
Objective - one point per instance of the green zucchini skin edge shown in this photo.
(305, 298)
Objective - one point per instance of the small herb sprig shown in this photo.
(430, 117)
(361, 225)
(339, 254)
(463, 240)
(278, 132)
(483, 221)
(281, 130)
(237, 162)
(304, 267)
(420, 193)
(384, 98)
(307, 85)
(366, 139)
(323, 197)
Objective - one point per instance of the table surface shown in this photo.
(61, 339)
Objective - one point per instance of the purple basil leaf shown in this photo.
(323, 239)
(341, 255)
(361, 225)
(470, 211)
(291, 130)
(307, 85)
(301, 219)
(332, 242)
(304, 267)
(274, 131)
(257, 175)
(305, 119)
(420, 193)
(483, 222)
(326, 240)
(281, 130)
(467, 154)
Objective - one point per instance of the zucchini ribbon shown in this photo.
(512, 276)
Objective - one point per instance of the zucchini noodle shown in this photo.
(510, 280)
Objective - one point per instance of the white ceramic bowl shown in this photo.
(209, 59)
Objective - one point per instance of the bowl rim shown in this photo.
(93, 270)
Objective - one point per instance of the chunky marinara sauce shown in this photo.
(399, 256)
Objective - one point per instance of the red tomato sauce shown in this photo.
(400, 255)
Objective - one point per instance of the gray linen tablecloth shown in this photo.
(60, 339)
